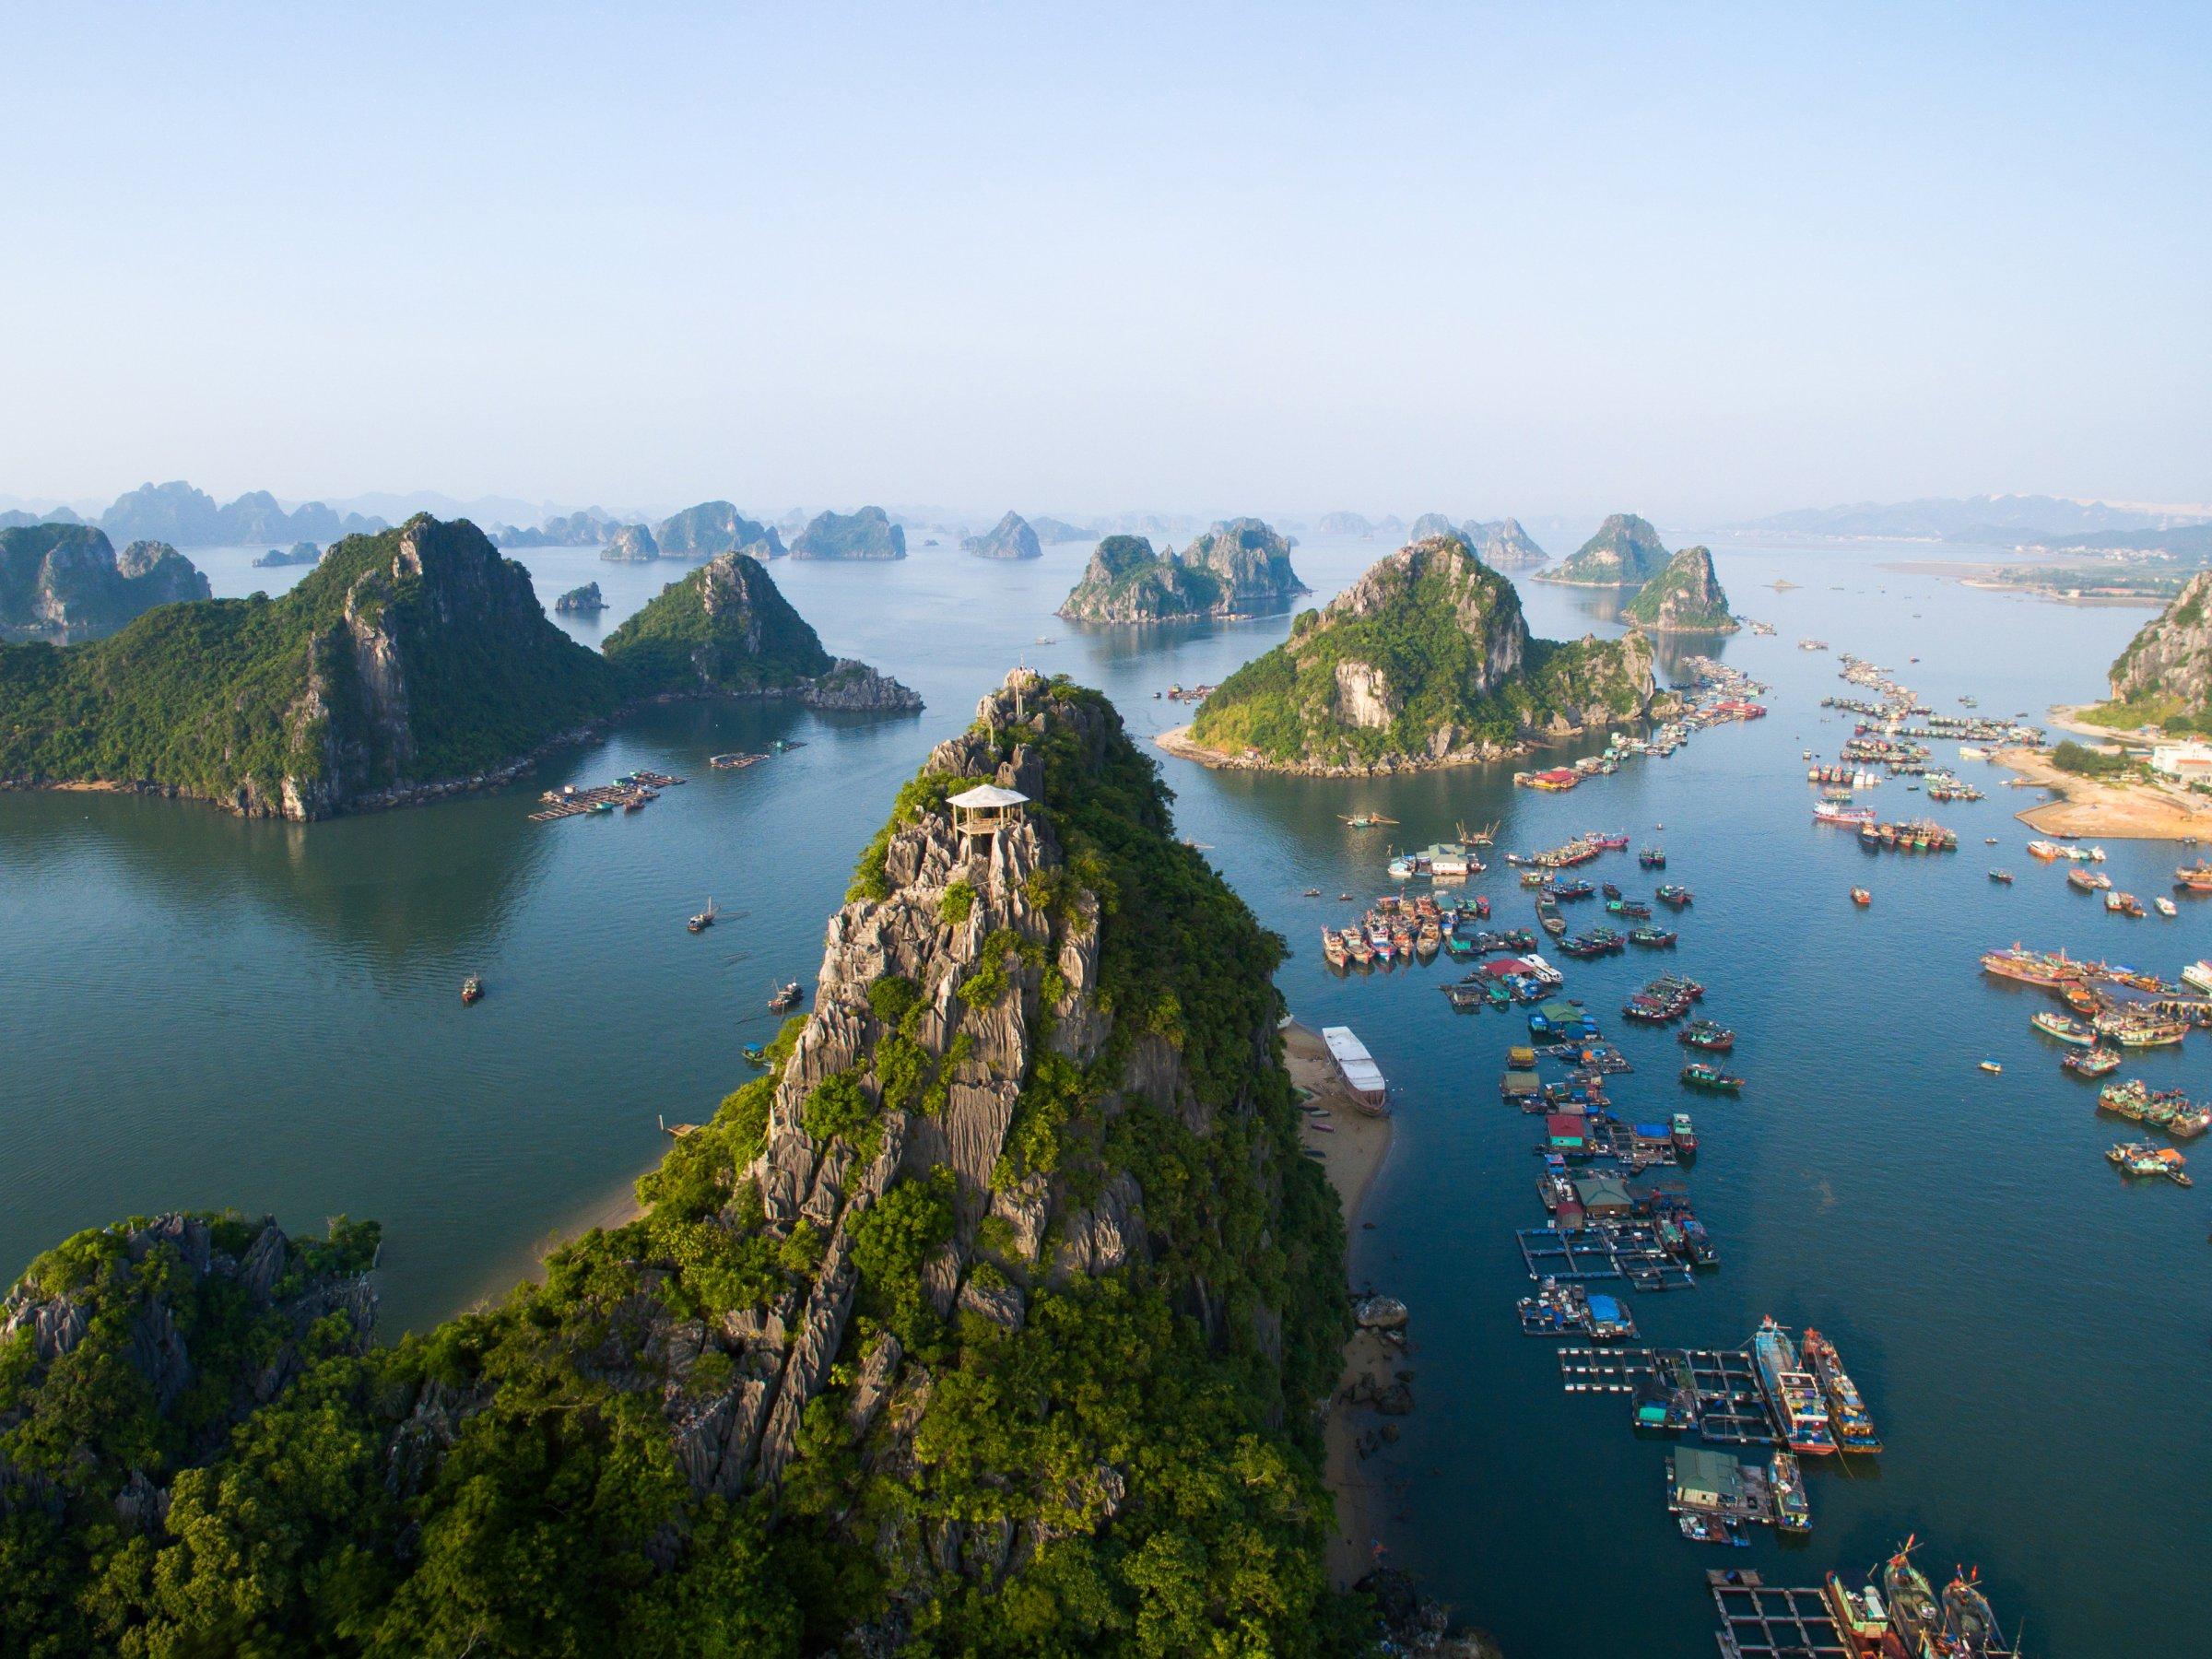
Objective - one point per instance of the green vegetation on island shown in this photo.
(1686, 597)
(407, 659)
(993, 1319)
(715, 527)
(2164, 677)
(868, 534)
(61, 581)
(405, 665)
(1426, 660)
(1011, 537)
(1625, 553)
(1239, 567)
(725, 627)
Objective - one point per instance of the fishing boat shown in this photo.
(2049, 970)
(786, 998)
(1853, 1423)
(1792, 1509)
(2003, 877)
(1366, 820)
(1853, 817)
(1670, 894)
(1653, 858)
(2196, 877)
(2142, 1159)
(1861, 897)
(1333, 947)
(1707, 1035)
(1970, 1623)
(472, 988)
(1654, 938)
(704, 920)
(755, 1053)
(1914, 1618)
(1801, 1419)
(2164, 906)
(1684, 1135)
(2088, 881)
(2096, 1063)
(1992, 1067)
(1698, 1075)
(2057, 1026)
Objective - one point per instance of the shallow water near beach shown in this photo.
(198, 1011)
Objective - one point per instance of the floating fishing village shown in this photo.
(1746, 1428)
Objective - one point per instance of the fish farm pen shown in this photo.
(1731, 1410)
(1767, 1621)
(1627, 1249)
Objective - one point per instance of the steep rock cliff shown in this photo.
(727, 628)
(1238, 568)
(2167, 668)
(1685, 597)
(1011, 537)
(406, 663)
(715, 527)
(66, 581)
(1426, 660)
(1003, 1303)
(1626, 552)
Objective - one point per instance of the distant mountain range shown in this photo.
(1993, 521)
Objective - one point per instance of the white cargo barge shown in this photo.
(1363, 1077)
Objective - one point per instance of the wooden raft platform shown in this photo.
(1604, 1250)
(568, 803)
(1760, 1621)
(1732, 1411)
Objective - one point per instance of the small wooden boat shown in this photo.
(1992, 1067)
(1861, 897)
(704, 920)
(2001, 876)
(472, 989)
(755, 1053)
(786, 999)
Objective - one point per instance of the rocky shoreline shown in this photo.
(875, 694)
(1177, 741)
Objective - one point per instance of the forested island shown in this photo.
(407, 664)
(1011, 537)
(715, 527)
(1625, 553)
(1686, 597)
(868, 534)
(65, 581)
(1239, 567)
(993, 1319)
(1425, 661)
(727, 629)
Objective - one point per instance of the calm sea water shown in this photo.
(200, 1011)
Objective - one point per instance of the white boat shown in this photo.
(1361, 1075)
(2200, 975)
(1828, 813)
(2164, 905)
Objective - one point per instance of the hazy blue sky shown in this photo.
(1696, 260)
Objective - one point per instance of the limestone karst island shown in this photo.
(893, 832)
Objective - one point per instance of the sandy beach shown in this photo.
(2118, 812)
(1352, 1150)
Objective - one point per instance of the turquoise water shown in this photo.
(200, 1011)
